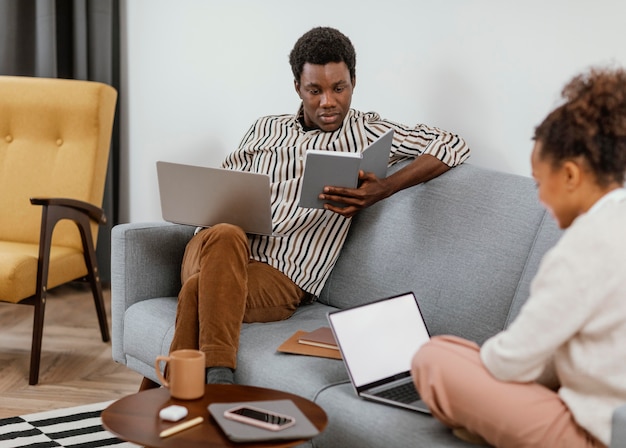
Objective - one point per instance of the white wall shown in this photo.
(197, 73)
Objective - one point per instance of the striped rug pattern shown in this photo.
(78, 427)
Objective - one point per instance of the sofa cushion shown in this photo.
(149, 329)
(457, 242)
(261, 365)
(354, 422)
(547, 236)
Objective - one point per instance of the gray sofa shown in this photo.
(467, 243)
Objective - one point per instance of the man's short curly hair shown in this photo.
(590, 124)
(320, 46)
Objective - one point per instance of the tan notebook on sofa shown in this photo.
(322, 337)
(293, 346)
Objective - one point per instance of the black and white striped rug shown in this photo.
(79, 426)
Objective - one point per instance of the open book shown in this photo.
(341, 169)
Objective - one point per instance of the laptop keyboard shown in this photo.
(403, 393)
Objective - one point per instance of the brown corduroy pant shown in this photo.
(461, 393)
(223, 287)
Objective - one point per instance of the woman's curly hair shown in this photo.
(590, 124)
(320, 46)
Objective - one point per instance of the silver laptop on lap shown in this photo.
(377, 343)
(203, 196)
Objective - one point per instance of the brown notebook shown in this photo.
(292, 346)
(322, 337)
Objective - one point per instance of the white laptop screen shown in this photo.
(379, 340)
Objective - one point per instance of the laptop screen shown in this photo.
(378, 340)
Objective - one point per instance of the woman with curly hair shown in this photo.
(554, 377)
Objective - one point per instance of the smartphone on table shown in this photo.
(258, 417)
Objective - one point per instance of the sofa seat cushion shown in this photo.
(149, 329)
(353, 421)
(259, 363)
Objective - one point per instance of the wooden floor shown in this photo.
(76, 366)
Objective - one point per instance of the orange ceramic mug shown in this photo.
(185, 372)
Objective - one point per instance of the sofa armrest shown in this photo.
(145, 263)
(618, 430)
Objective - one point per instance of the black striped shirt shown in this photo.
(311, 239)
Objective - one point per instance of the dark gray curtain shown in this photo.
(77, 39)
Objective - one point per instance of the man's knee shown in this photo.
(223, 230)
(223, 234)
(213, 241)
(189, 289)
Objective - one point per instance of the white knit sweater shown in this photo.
(574, 323)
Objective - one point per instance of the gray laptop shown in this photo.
(377, 343)
(203, 196)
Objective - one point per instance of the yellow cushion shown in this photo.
(18, 268)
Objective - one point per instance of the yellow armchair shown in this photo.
(54, 149)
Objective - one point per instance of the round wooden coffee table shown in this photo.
(135, 418)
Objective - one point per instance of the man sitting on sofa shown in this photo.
(229, 277)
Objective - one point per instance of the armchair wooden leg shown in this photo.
(35, 352)
(96, 289)
(93, 275)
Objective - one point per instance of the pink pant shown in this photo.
(223, 287)
(461, 393)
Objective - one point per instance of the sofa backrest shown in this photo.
(467, 243)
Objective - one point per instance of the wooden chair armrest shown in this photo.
(94, 213)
